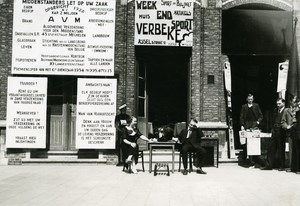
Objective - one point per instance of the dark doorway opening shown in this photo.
(256, 75)
(256, 38)
(167, 71)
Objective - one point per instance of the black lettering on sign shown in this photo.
(146, 5)
(164, 15)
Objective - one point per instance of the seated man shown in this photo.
(191, 142)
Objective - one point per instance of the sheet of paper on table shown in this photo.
(253, 146)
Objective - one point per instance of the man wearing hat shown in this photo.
(120, 123)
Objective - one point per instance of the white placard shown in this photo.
(282, 76)
(164, 23)
(61, 37)
(253, 146)
(96, 110)
(26, 112)
(227, 76)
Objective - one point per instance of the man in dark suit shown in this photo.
(288, 122)
(250, 118)
(191, 142)
(251, 115)
(120, 123)
(277, 141)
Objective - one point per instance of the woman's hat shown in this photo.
(122, 106)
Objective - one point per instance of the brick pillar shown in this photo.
(212, 86)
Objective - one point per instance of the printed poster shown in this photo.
(164, 23)
(26, 112)
(96, 111)
(283, 68)
(61, 37)
(227, 74)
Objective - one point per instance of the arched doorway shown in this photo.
(256, 38)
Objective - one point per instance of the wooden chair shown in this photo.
(140, 155)
(190, 160)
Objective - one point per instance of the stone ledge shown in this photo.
(2, 122)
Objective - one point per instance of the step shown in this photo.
(62, 161)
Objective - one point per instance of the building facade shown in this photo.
(170, 84)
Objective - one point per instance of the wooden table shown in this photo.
(161, 146)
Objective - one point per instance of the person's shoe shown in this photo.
(288, 170)
(266, 168)
(185, 172)
(281, 169)
(200, 171)
(250, 165)
(120, 164)
(298, 173)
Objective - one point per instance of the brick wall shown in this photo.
(207, 100)
(120, 44)
(282, 4)
(6, 19)
(212, 106)
(196, 64)
(131, 70)
(125, 56)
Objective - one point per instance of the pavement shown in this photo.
(107, 185)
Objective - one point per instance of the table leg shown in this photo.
(150, 158)
(173, 157)
(217, 153)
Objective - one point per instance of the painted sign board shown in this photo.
(26, 112)
(96, 111)
(164, 23)
(64, 37)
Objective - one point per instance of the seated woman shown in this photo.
(166, 133)
(130, 146)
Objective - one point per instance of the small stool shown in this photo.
(164, 171)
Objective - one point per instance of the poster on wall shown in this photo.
(227, 76)
(26, 112)
(283, 68)
(63, 37)
(164, 23)
(96, 110)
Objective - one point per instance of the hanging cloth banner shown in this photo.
(283, 68)
(227, 75)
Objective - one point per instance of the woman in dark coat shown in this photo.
(130, 146)
(295, 166)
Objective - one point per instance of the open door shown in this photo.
(62, 111)
(142, 98)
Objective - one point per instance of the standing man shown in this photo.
(120, 123)
(191, 142)
(277, 142)
(288, 123)
(251, 115)
(250, 118)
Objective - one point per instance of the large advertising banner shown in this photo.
(96, 110)
(26, 112)
(164, 23)
(60, 37)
